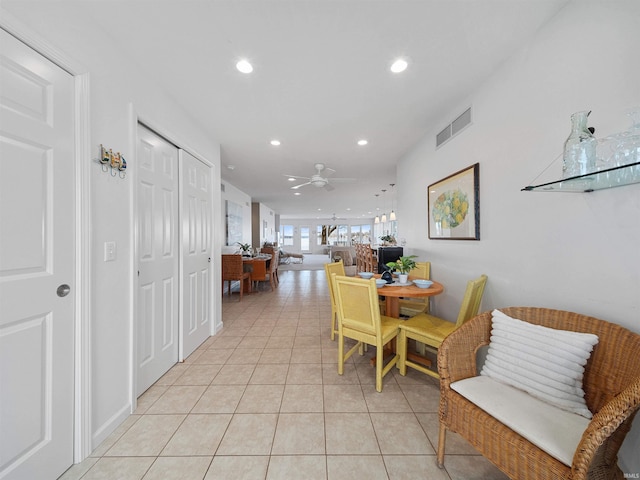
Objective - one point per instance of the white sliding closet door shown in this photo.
(158, 258)
(196, 227)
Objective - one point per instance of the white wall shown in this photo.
(578, 252)
(118, 95)
(237, 196)
(263, 232)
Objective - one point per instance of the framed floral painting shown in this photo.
(453, 206)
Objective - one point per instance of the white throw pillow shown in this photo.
(544, 362)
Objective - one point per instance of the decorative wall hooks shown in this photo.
(114, 160)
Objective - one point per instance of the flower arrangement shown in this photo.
(403, 264)
(388, 239)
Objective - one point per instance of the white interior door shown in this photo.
(195, 211)
(37, 264)
(158, 256)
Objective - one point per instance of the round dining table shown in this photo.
(393, 293)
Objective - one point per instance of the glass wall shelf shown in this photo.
(609, 178)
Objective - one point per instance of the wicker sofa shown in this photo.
(612, 393)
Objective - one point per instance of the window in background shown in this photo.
(356, 236)
(286, 233)
(343, 235)
(365, 233)
(304, 239)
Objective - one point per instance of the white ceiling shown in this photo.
(321, 78)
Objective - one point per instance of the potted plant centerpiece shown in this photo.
(388, 240)
(403, 266)
(246, 249)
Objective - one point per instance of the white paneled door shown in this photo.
(158, 258)
(196, 212)
(37, 264)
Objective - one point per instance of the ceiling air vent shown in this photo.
(454, 127)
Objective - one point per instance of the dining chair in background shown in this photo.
(414, 306)
(338, 269)
(432, 330)
(271, 274)
(359, 319)
(232, 271)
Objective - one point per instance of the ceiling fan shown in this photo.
(320, 181)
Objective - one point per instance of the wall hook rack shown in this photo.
(113, 161)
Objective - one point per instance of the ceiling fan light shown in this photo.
(392, 215)
(400, 65)
(244, 66)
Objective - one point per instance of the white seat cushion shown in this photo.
(551, 429)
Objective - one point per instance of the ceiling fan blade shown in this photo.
(344, 180)
(295, 176)
(295, 187)
(328, 171)
(328, 187)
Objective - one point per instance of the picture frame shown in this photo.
(453, 206)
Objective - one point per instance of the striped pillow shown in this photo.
(544, 362)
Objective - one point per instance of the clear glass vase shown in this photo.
(579, 157)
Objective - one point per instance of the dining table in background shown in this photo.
(257, 266)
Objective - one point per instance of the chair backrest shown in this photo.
(338, 269)
(421, 270)
(367, 259)
(357, 302)
(269, 250)
(232, 266)
(472, 298)
(275, 258)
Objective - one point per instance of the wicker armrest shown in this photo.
(457, 354)
(606, 432)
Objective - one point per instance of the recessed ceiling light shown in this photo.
(275, 143)
(291, 179)
(244, 66)
(362, 142)
(400, 65)
(297, 193)
(231, 167)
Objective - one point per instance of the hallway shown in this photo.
(263, 400)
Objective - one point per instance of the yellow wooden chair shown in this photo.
(414, 306)
(359, 319)
(432, 330)
(338, 269)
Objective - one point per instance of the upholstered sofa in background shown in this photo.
(348, 257)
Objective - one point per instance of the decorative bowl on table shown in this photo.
(422, 283)
(380, 282)
(365, 275)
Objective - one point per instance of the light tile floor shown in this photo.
(263, 400)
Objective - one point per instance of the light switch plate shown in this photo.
(109, 251)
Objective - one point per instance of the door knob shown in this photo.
(63, 290)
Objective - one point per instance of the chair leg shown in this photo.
(441, 441)
(334, 324)
(241, 289)
(340, 354)
(379, 366)
(401, 345)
